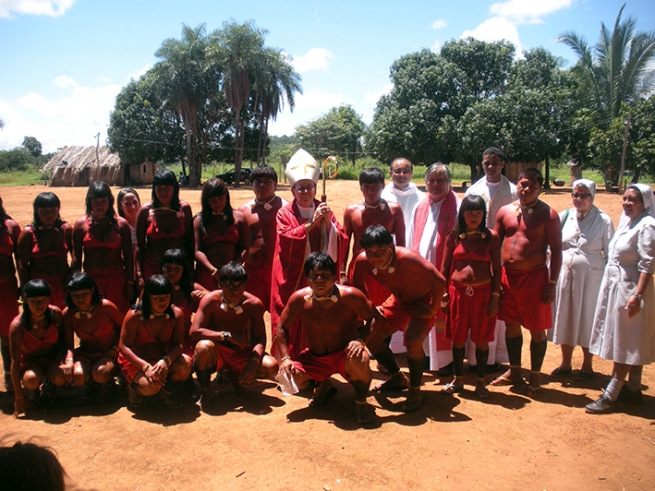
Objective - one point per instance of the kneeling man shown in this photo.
(238, 346)
(416, 288)
(329, 315)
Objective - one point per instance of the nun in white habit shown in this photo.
(586, 234)
(623, 328)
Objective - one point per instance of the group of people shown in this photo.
(157, 294)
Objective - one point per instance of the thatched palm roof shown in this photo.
(80, 166)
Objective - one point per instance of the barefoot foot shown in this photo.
(414, 400)
(365, 412)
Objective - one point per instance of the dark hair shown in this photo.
(232, 271)
(439, 167)
(494, 151)
(472, 202)
(177, 256)
(82, 281)
(398, 160)
(215, 187)
(165, 177)
(46, 200)
(119, 199)
(100, 189)
(155, 285)
(35, 288)
(319, 261)
(263, 172)
(534, 172)
(636, 188)
(375, 235)
(30, 467)
(372, 175)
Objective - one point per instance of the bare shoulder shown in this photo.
(238, 216)
(394, 207)
(177, 312)
(350, 292)
(79, 223)
(299, 296)
(253, 302)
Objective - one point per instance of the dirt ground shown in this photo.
(264, 441)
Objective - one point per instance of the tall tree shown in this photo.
(142, 127)
(616, 70)
(182, 74)
(339, 132)
(33, 146)
(238, 49)
(431, 93)
(276, 81)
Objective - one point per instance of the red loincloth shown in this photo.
(521, 301)
(321, 368)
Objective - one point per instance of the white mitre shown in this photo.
(302, 166)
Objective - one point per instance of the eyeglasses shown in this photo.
(401, 171)
(305, 189)
(580, 195)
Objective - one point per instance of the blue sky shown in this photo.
(64, 61)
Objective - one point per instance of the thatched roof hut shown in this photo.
(80, 166)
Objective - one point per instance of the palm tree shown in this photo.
(181, 75)
(615, 71)
(276, 80)
(237, 49)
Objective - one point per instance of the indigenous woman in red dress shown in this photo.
(102, 244)
(96, 322)
(151, 346)
(221, 234)
(44, 246)
(9, 232)
(38, 361)
(164, 223)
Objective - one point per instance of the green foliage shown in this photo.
(616, 70)
(338, 132)
(418, 119)
(32, 145)
(209, 97)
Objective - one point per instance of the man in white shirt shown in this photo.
(403, 191)
(497, 192)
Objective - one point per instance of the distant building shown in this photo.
(80, 166)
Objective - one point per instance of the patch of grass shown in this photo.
(22, 178)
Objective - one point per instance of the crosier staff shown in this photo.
(326, 176)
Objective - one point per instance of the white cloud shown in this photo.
(438, 24)
(64, 81)
(52, 8)
(528, 11)
(496, 29)
(315, 59)
(436, 47)
(73, 118)
(136, 75)
(372, 97)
